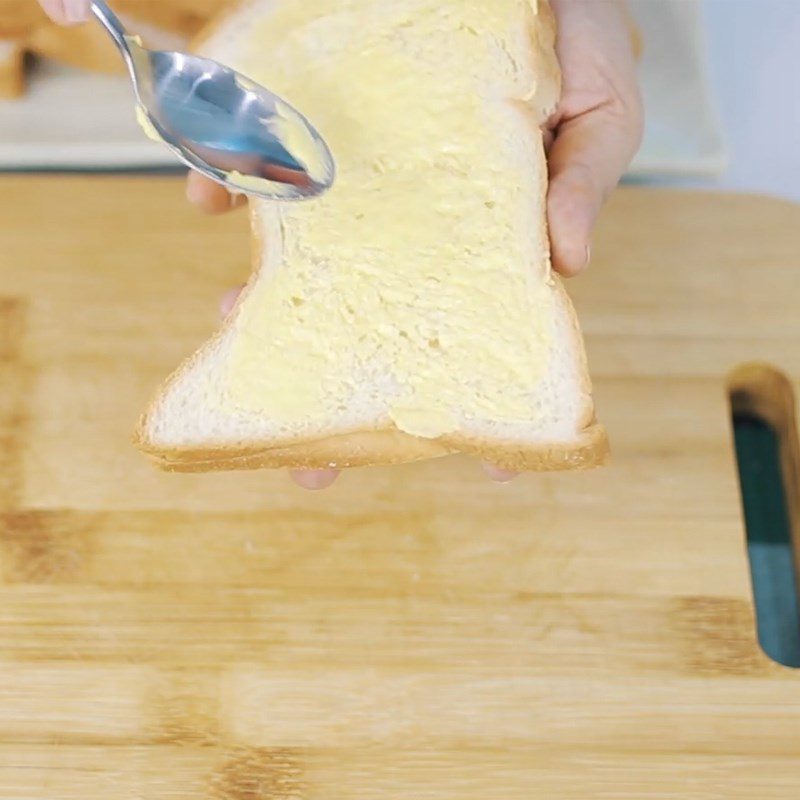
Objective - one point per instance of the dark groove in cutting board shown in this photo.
(765, 431)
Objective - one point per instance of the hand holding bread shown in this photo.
(591, 138)
(597, 127)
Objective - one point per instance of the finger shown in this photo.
(228, 301)
(587, 159)
(67, 12)
(314, 479)
(210, 196)
(498, 474)
(549, 138)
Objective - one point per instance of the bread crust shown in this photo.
(389, 445)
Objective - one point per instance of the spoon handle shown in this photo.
(111, 22)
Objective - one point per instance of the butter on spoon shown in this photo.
(222, 124)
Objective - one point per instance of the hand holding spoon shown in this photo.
(222, 124)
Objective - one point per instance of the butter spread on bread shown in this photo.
(410, 311)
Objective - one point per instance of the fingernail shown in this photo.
(498, 474)
(75, 11)
(314, 480)
(588, 255)
(194, 192)
(228, 301)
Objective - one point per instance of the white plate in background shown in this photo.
(682, 132)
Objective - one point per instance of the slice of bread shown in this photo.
(411, 311)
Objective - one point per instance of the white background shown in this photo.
(754, 64)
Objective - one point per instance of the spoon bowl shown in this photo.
(222, 124)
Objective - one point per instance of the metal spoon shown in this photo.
(222, 124)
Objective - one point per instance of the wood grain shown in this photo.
(415, 632)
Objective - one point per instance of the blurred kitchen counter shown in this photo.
(415, 632)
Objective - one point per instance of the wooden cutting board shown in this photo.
(415, 632)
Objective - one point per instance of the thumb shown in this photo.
(587, 159)
(67, 12)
